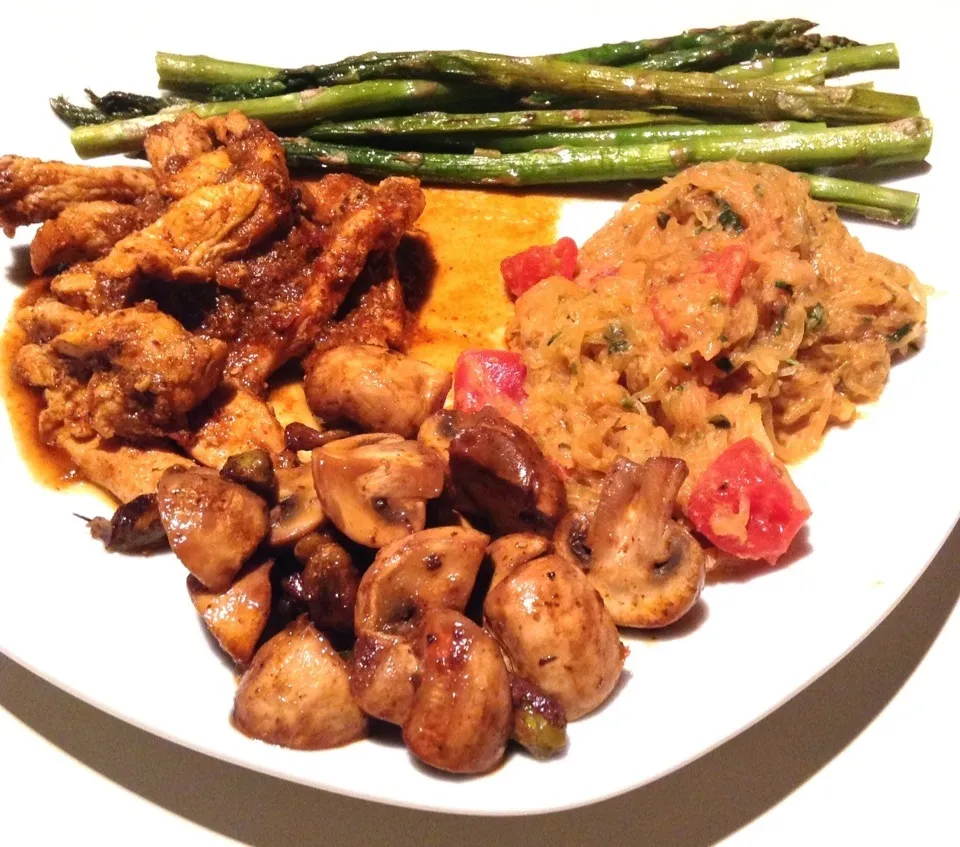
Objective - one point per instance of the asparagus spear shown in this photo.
(906, 140)
(843, 60)
(445, 123)
(632, 135)
(635, 51)
(225, 80)
(694, 91)
(877, 202)
(737, 49)
(283, 112)
(115, 105)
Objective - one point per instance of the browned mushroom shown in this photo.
(298, 511)
(498, 473)
(462, 712)
(213, 525)
(237, 616)
(437, 431)
(374, 487)
(328, 584)
(374, 387)
(511, 551)
(556, 632)
(435, 568)
(296, 693)
(648, 569)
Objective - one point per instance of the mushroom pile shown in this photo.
(416, 566)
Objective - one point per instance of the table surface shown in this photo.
(860, 756)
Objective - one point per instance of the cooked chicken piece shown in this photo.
(288, 401)
(134, 372)
(47, 318)
(213, 525)
(377, 389)
(462, 712)
(86, 231)
(374, 313)
(123, 470)
(296, 693)
(556, 632)
(204, 228)
(230, 422)
(295, 289)
(32, 190)
(237, 616)
(178, 153)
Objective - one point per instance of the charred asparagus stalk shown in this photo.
(287, 111)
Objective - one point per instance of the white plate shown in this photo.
(120, 632)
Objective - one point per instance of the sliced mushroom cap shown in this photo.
(237, 616)
(298, 511)
(557, 633)
(378, 389)
(511, 551)
(296, 693)
(385, 676)
(328, 583)
(213, 525)
(437, 431)
(374, 487)
(462, 713)
(648, 569)
(431, 569)
(498, 473)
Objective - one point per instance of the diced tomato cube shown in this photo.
(728, 266)
(489, 378)
(524, 270)
(746, 477)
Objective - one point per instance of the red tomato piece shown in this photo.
(745, 476)
(489, 378)
(526, 269)
(728, 266)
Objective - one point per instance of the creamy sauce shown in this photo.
(50, 466)
(467, 233)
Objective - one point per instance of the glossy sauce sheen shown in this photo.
(469, 233)
(48, 465)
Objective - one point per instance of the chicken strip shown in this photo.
(131, 373)
(208, 226)
(86, 231)
(123, 470)
(32, 191)
(231, 422)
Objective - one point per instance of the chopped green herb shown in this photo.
(724, 363)
(663, 218)
(629, 404)
(574, 368)
(617, 341)
(758, 190)
(792, 362)
(816, 317)
(563, 445)
(724, 339)
(728, 218)
(867, 319)
(716, 299)
(678, 387)
(720, 421)
(554, 337)
(783, 286)
(901, 333)
(778, 327)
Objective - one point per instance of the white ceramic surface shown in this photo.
(121, 633)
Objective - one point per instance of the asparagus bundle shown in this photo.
(630, 110)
